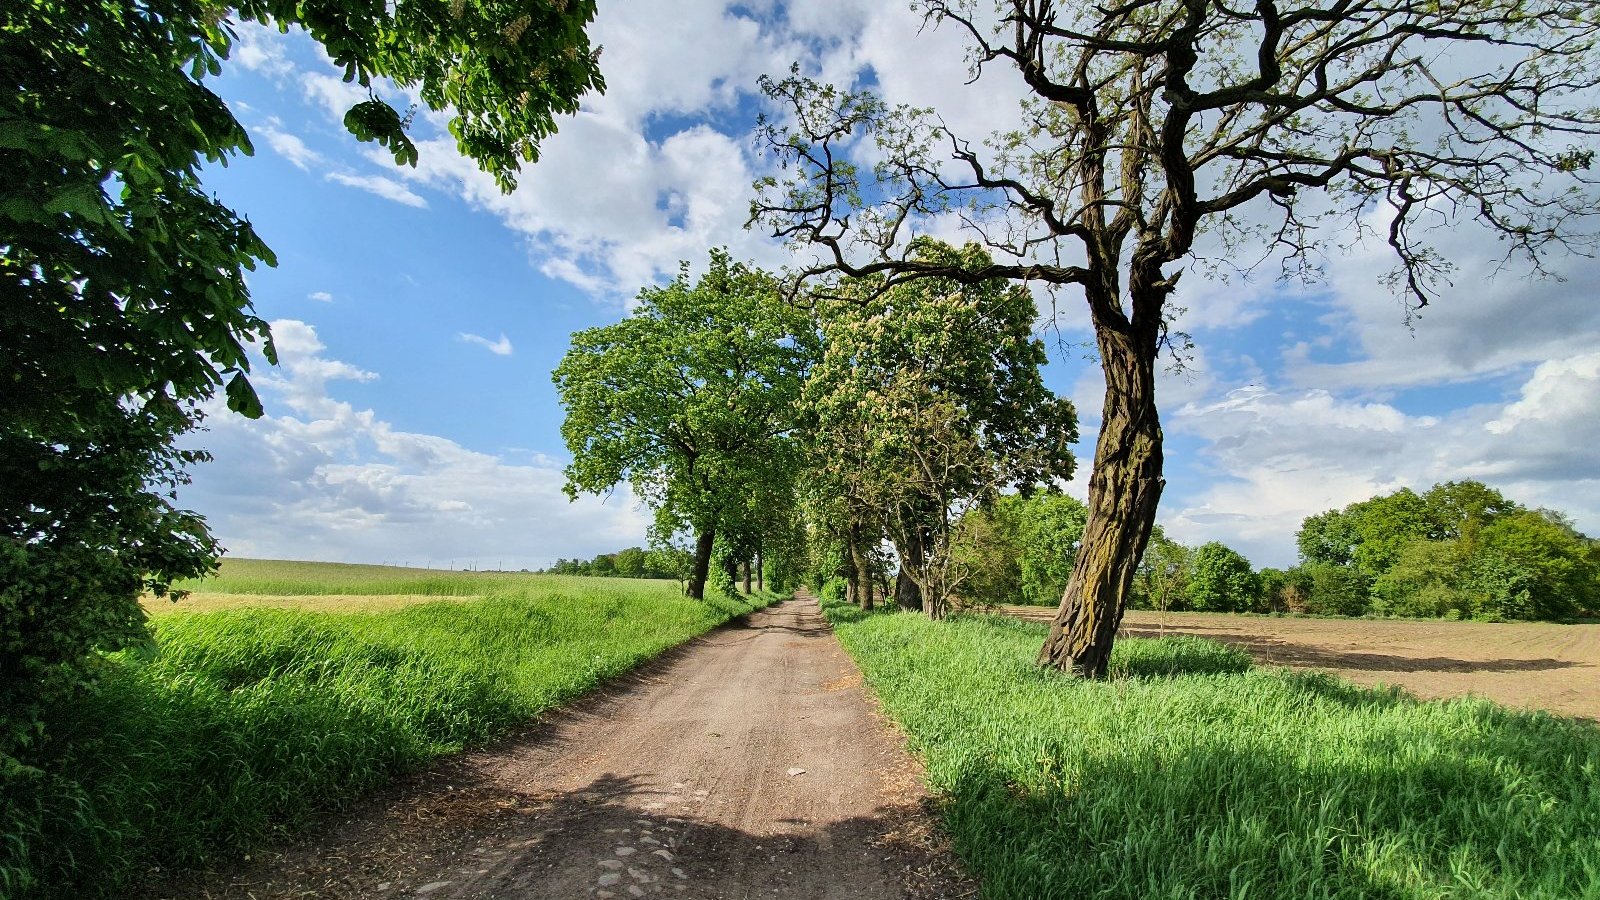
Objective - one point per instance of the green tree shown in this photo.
(123, 301)
(629, 563)
(1221, 580)
(1371, 534)
(1456, 508)
(690, 400)
(1165, 568)
(1049, 528)
(1531, 565)
(1327, 537)
(1384, 526)
(986, 544)
(1336, 590)
(927, 399)
(1151, 123)
(1276, 585)
(1427, 579)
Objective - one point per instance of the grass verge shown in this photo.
(1191, 775)
(239, 727)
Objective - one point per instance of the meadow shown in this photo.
(285, 695)
(1193, 774)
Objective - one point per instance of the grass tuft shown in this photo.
(1193, 775)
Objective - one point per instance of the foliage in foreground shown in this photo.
(244, 725)
(1191, 776)
(125, 305)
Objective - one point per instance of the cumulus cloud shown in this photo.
(501, 347)
(320, 296)
(289, 146)
(317, 478)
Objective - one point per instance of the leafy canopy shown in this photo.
(690, 399)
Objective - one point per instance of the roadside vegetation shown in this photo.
(238, 727)
(1191, 774)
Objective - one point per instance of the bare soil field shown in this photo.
(1524, 664)
(748, 763)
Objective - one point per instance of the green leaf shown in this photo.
(242, 397)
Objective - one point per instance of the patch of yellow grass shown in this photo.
(200, 601)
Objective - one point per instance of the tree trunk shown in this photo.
(761, 573)
(862, 578)
(702, 563)
(907, 594)
(1124, 489)
(747, 576)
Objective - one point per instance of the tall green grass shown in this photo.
(240, 727)
(1193, 776)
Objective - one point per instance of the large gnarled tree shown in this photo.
(1151, 120)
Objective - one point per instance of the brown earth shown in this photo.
(748, 763)
(1525, 664)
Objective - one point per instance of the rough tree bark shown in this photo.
(747, 576)
(702, 563)
(761, 570)
(1124, 490)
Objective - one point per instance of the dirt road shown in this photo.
(749, 763)
(1530, 664)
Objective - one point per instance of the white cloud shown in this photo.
(260, 48)
(1493, 320)
(290, 147)
(381, 185)
(501, 347)
(317, 478)
(332, 93)
(320, 296)
(686, 58)
(610, 211)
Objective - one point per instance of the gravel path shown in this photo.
(749, 763)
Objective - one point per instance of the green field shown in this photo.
(242, 725)
(1192, 775)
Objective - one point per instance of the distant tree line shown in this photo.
(1458, 550)
(630, 562)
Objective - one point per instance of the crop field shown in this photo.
(1540, 665)
(280, 691)
(1195, 773)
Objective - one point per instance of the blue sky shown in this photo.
(420, 313)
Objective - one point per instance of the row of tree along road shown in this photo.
(1458, 550)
